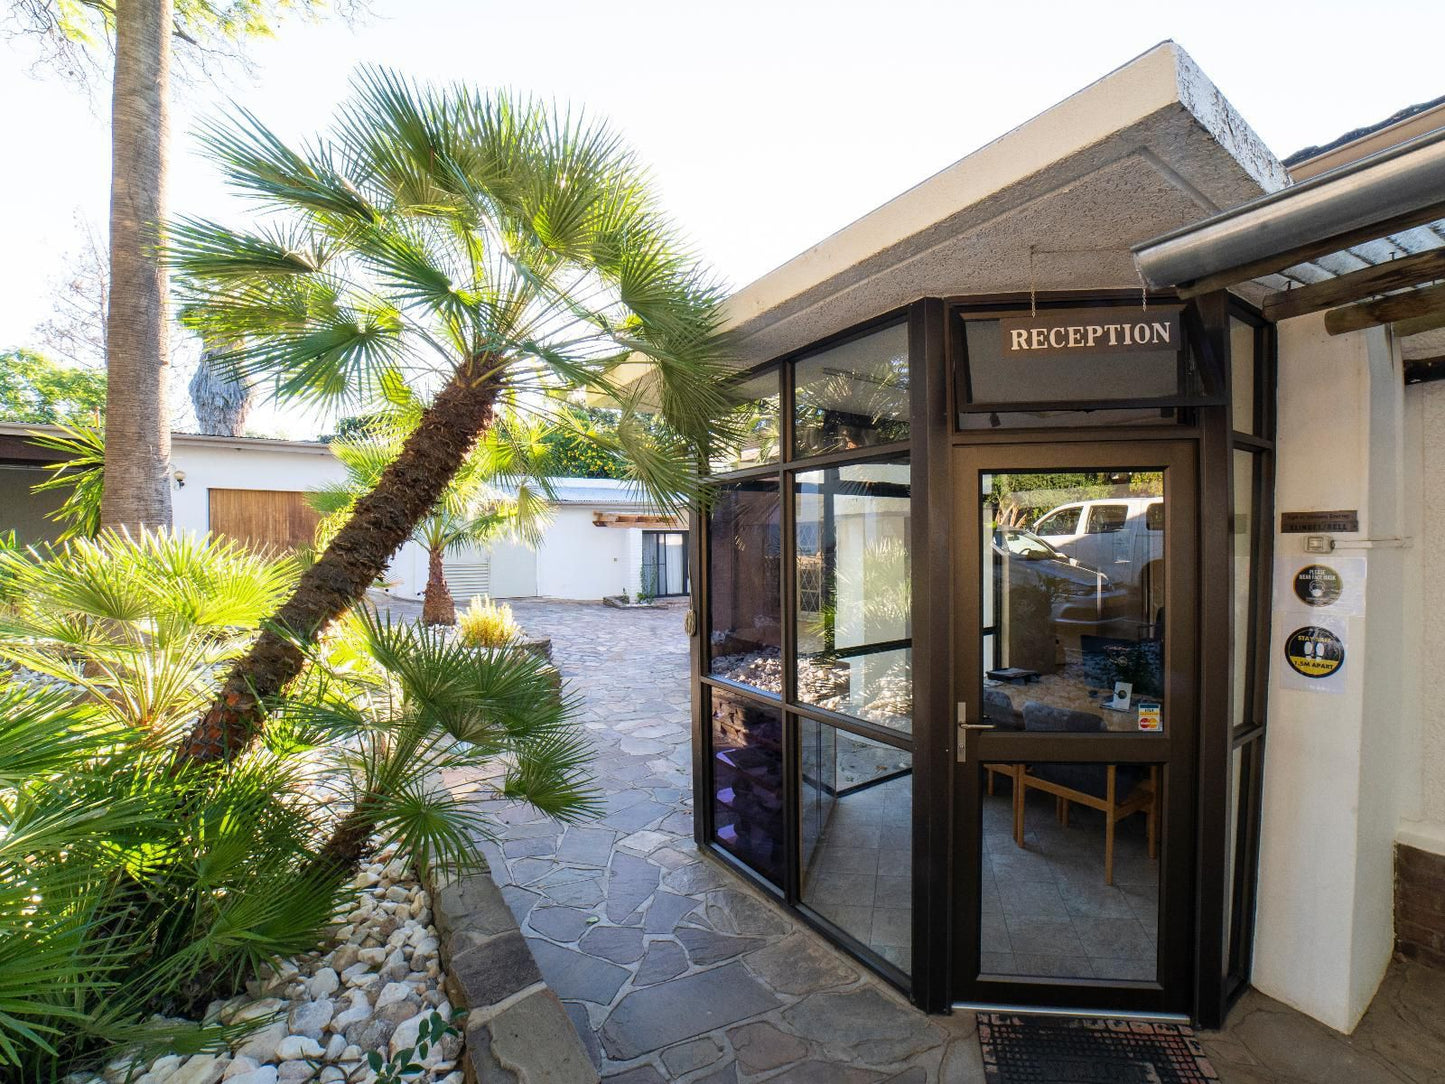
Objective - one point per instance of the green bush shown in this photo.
(133, 883)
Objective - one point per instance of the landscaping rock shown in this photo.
(323, 984)
(310, 1018)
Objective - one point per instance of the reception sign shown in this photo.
(1092, 331)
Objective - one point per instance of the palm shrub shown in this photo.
(486, 250)
(131, 885)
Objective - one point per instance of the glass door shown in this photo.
(1075, 680)
(664, 564)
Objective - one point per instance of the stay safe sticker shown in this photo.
(1314, 652)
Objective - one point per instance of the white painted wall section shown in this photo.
(1422, 779)
(579, 560)
(1332, 762)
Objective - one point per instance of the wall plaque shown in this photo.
(1337, 522)
(1104, 330)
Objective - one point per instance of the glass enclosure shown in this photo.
(1101, 793)
(810, 643)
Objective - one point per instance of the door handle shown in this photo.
(963, 729)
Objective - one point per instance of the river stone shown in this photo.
(392, 992)
(294, 1072)
(262, 1044)
(298, 1046)
(310, 1018)
(323, 984)
(370, 1034)
(265, 1074)
(240, 1064)
(201, 1069)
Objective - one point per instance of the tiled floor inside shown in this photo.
(1046, 910)
(860, 875)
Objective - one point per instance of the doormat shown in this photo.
(1020, 1049)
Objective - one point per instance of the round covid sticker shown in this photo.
(1314, 652)
(1318, 585)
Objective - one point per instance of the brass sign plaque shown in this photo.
(1340, 521)
(1109, 330)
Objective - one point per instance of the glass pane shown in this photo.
(747, 772)
(1236, 779)
(1074, 589)
(758, 415)
(1068, 891)
(854, 395)
(744, 568)
(1241, 376)
(854, 593)
(858, 838)
(1242, 628)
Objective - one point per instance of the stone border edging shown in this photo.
(516, 1031)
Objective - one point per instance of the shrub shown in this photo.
(132, 883)
(487, 624)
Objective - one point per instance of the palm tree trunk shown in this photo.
(382, 521)
(437, 606)
(137, 490)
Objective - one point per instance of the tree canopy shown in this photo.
(35, 389)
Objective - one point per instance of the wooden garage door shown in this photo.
(263, 517)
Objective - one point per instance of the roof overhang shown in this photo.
(1056, 204)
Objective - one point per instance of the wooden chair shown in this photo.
(1015, 774)
(1141, 797)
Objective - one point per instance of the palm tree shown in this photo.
(471, 510)
(486, 250)
(137, 482)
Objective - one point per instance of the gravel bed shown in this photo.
(370, 990)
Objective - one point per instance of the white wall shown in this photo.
(243, 465)
(1422, 780)
(1332, 802)
(582, 561)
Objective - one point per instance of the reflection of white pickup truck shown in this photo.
(1123, 537)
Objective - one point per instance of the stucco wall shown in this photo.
(581, 561)
(1423, 780)
(1332, 799)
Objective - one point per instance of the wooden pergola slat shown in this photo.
(1426, 302)
(1357, 285)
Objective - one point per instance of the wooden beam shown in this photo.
(1268, 265)
(1394, 275)
(1426, 301)
(1420, 324)
(1421, 370)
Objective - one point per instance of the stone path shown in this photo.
(673, 969)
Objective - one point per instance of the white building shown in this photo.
(603, 539)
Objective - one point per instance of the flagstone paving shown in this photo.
(674, 969)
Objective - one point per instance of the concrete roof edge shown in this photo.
(314, 447)
(1162, 77)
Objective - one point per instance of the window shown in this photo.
(854, 395)
(747, 773)
(758, 415)
(1107, 518)
(744, 569)
(858, 838)
(1064, 521)
(854, 652)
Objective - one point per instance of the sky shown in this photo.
(768, 126)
